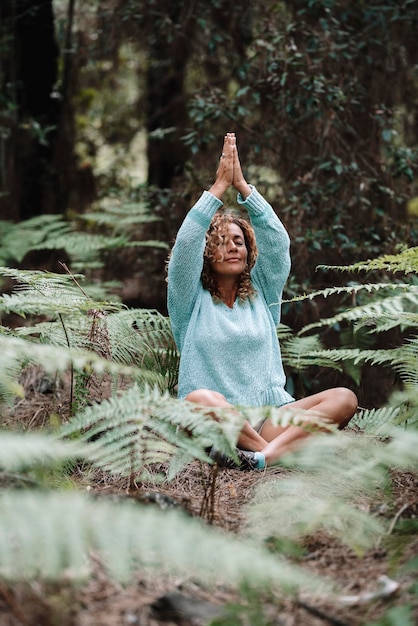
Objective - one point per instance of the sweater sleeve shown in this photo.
(186, 263)
(273, 263)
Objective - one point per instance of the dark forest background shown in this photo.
(112, 114)
(127, 101)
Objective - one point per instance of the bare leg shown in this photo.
(336, 405)
(249, 439)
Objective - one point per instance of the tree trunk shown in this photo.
(29, 183)
(169, 50)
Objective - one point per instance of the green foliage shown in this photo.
(17, 239)
(48, 294)
(66, 527)
(307, 99)
(297, 505)
(342, 160)
(111, 228)
(141, 433)
(396, 616)
(20, 452)
(384, 307)
(405, 261)
(140, 429)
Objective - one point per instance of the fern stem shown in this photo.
(214, 476)
(74, 280)
(71, 363)
(207, 509)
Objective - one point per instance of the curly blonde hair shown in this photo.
(214, 238)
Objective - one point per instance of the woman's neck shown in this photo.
(228, 291)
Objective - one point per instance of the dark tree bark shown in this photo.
(169, 48)
(31, 114)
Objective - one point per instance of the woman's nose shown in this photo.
(232, 245)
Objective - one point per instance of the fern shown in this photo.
(17, 352)
(18, 239)
(66, 527)
(405, 261)
(120, 217)
(407, 365)
(392, 307)
(144, 337)
(53, 232)
(47, 294)
(351, 290)
(294, 506)
(18, 451)
(140, 337)
(375, 421)
(300, 353)
(127, 434)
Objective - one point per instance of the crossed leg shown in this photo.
(337, 406)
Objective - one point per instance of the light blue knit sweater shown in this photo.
(233, 351)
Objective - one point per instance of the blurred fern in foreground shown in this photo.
(139, 431)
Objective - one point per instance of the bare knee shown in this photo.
(207, 397)
(347, 403)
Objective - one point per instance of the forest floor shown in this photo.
(99, 601)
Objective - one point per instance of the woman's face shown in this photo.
(231, 254)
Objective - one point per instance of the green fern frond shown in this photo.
(52, 232)
(407, 365)
(143, 426)
(121, 218)
(405, 401)
(389, 307)
(10, 389)
(300, 353)
(76, 330)
(405, 261)
(283, 331)
(350, 290)
(138, 337)
(17, 352)
(296, 505)
(401, 451)
(149, 243)
(386, 322)
(26, 304)
(300, 507)
(126, 434)
(390, 357)
(22, 451)
(375, 421)
(404, 360)
(65, 528)
(18, 239)
(84, 246)
(144, 337)
(47, 294)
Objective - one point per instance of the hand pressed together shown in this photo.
(229, 172)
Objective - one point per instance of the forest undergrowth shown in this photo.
(374, 586)
(112, 509)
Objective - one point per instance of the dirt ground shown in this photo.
(145, 602)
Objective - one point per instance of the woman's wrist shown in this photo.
(218, 189)
(243, 188)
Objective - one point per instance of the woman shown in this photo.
(225, 281)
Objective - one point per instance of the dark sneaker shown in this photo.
(246, 460)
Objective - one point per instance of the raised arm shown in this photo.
(273, 263)
(186, 260)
